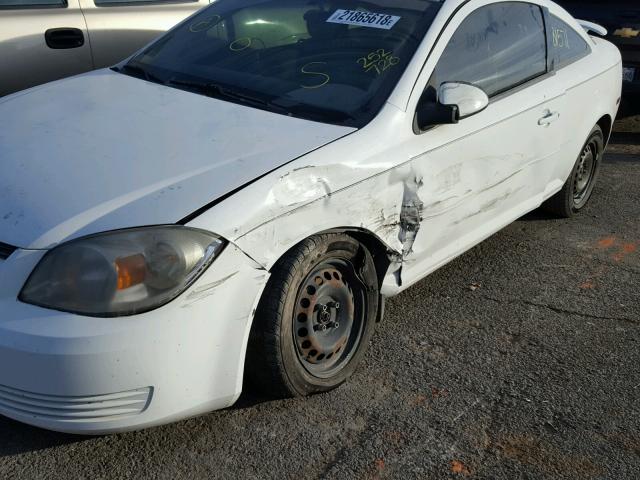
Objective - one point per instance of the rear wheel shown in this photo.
(578, 188)
(315, 319)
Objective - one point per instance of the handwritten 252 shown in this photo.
(379, 61)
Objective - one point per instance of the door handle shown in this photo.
(61, 38)
(548, 118)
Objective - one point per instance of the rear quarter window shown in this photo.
(567, 45)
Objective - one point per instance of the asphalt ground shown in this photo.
(520, 359)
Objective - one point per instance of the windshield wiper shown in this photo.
(319, 113)
(137, 71)
(217, 91)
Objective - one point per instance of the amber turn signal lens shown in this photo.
(131, 270)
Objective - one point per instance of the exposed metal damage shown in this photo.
(410, 220)
(397, 226)
(410, 214)
(431, 189)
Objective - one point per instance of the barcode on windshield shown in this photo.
(363, 19)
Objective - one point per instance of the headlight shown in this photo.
(122, 272)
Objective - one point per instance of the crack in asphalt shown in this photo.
(560, 309)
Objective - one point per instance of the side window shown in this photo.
(497, 47)
(17, 4)
(567, 45)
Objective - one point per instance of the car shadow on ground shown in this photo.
(623, 147)
(250, 398)
(630, 106)
(625, 138)
(538, 215)
(17, 438)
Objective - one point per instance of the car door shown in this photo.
(117, 28)
(482, 173)
(40, 41)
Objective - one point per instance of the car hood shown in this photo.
(104, 151)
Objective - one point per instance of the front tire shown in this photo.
(315, 319)
(578, 188)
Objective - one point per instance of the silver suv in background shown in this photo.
(44, 40)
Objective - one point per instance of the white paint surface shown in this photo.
(103, 151)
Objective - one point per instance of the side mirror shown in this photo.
(452, 102)
(468, 98)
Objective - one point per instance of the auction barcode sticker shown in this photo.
(363, 19)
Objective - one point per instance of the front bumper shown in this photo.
(78, 374)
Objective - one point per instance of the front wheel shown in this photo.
(315, 318)
(579, 186)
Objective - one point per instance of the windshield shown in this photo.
(329, 61)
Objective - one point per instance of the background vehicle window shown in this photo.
(566, 44)
(32, 3)
(496, 48)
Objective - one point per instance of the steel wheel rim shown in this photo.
(585, 172)
(328, 318)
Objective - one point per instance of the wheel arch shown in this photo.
(606, 124)
(380, 251)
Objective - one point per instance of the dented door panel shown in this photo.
(482, 169)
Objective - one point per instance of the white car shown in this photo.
(240, 196)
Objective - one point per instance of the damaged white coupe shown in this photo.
(235, 201)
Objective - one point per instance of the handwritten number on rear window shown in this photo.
(560, 38)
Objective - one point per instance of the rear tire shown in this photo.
(315, 319)
(578, 188)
